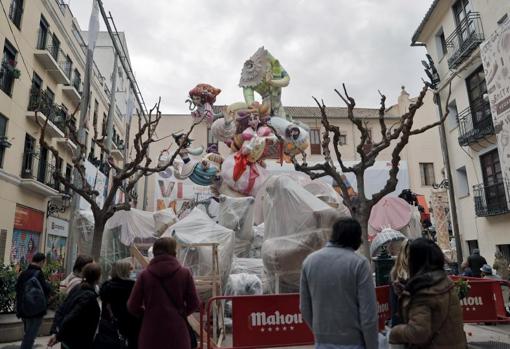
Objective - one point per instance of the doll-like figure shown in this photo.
(201, 100)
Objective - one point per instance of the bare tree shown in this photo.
(399, 133)
(123, 178)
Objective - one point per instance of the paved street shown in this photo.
(479, 337)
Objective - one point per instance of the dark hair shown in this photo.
(425, 256)
(38, 257)
(164, 246)
(346, 233)
(91, 273)
(81, 261)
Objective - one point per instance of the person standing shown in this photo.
(32, 292)
(76, 323)
(430, 306)
(114, 296)
(74, 279)
(334, 273)
(501, 265)
(165, 295)
(475, 262)
(399, 275)
(487, 273)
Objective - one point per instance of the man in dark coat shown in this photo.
(163, 324)
(475, 262)
(32, 322)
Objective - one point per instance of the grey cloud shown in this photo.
(175, 44)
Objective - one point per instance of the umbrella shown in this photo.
(383, 238)
(390, 212)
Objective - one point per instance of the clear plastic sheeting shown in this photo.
(133, 224)
(163, 219)
(326, 193)
(284, 255)
(243, 285)
(253, 266)
(258, 239)
(290, 209)
(85, 227)
(200, 230)
(237, 214)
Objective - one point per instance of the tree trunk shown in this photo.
(97, 239)
(362, 217)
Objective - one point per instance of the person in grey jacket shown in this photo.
(337, 293)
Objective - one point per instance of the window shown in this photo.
(3, 138)
(342, 140)
(96, 107)
(55, 47)
(480, 109)
(42, 170)
(8, 68)
(472, 244)
(42, 36)
(315, 141)
(68, 67)
(59, 164)
(210, 138)
(505, 250)
(453, 115)
(427, 173)
(69, 173)
(441, 43)
(16, 12)
(462, 182)
(28, 157)
(495, 193)
(460, 11)
(77, 80)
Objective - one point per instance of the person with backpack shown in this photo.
(76, 321)
(32, 292)
(165, 295)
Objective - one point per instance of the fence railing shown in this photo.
(41, 102)
(475, 122)
(6, 77)
(466, 37)
(33, 167)
(491, 199)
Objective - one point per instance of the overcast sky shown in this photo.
(321, 43)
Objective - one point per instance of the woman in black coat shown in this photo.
(115, 316)
(76, 322)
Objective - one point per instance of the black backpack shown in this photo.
(33, 301)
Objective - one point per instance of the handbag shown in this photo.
(191, 332)
(108, 334)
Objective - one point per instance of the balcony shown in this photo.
(464, 39)
(37, 175)
(8, 73)
(117, 148)
(72, 91)
(52, 59)
(491, 200)
(39, 101)
(475, 124)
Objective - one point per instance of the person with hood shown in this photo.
(32, 292)
(114, 295)
(74, 279)
(164, 294)
(76, 323)
(429, 305)
(475, 262)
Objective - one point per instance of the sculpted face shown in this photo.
(197, 100)
(254, 120)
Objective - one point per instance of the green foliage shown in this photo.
(7, 289)
(463, 287)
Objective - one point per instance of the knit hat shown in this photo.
(486, 269)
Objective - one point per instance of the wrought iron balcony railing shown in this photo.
(491, 199)
(7, 77)
(41, 102)
(465, 39)
(475, 123)
(33, 167)
(77, 82)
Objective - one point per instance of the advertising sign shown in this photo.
(495, 53)
(57, 232)
(172, 192)
(28, 225)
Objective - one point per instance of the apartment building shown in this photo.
(453, 33)
(43, 65)
(421, 164)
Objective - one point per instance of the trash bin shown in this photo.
(383, 264)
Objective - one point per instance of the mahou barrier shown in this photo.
(275, 320)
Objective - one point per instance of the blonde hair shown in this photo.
(401, 268)
(121, 270)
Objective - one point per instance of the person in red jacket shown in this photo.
(165, 295)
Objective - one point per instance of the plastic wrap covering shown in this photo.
(243, 285)
(163, 219)
(258, 239)
(133, 224)
(85, 226)
(237, 214)
(250, 266)
(326, 193)
(198, 228)
(112, 250)
(290, 209)
(283, 257)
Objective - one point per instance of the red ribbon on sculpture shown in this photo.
(241, 163)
